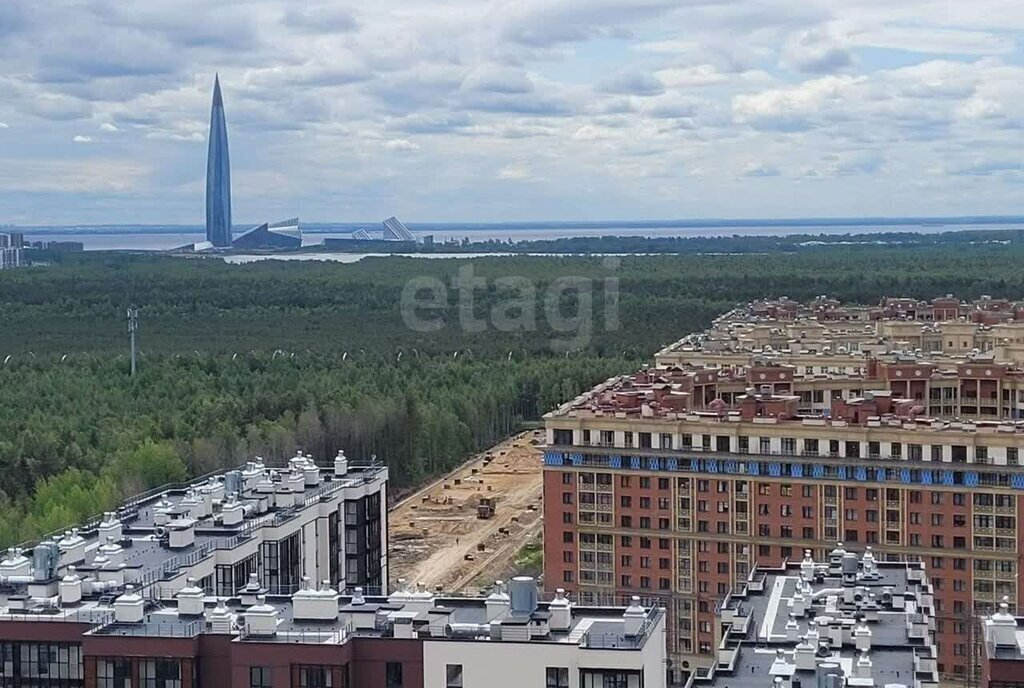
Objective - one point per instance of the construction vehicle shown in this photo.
(485, 509)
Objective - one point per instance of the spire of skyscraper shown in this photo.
(218, 175)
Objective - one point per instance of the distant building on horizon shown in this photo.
(218, 176)
(284, 234)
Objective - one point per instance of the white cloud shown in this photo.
(404, 145)
(4, 125)
(516, 171)
(624, 107)
(80, 138)
(73, 177)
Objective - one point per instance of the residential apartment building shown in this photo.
(848, 620)
(316, 638)
(676, 481)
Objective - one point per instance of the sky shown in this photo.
(494, 110)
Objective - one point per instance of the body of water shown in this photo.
(151, 238)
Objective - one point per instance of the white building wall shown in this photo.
(497, 664)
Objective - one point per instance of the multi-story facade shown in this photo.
(673, 482)
(280, 524)
(316, 638)
(868, 623)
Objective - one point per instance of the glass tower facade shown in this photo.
(218, 175)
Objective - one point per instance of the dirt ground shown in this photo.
(433, 531)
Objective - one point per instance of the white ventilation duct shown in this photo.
(72, 547)
(261, 619)
(340, 464)
(182, 533)
(110, 527)
(191, 599)
(497, 603)
(70, 588)
(129, 607)
(634, 617)
(561, 612)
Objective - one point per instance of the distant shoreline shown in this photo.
(925, 224)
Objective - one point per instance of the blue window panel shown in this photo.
(552, 458)
(797, 470)
(634, 463)
(971, 479)
(712, 466)
(775, 469)
(615, 461)
(926, 476)
(695, 465)
(754, 467)
(576, 459)
(672, 464)
(817, 470)
(947, 477)
(880, 475)
(905, 475)
(860, 473)
(1017, 481)
(654, 463)
(729, 466)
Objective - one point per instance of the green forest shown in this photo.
(264, 358)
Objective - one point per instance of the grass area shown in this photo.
(529, 561)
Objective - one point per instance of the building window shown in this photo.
(160, 673)
(453, 676)
(113, 673)
(41, 664)
(557, 677)
(259, 677)
(314, 676)
(393, 675)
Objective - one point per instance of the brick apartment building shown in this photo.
(676, 481)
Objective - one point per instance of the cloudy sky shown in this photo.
(463, 110)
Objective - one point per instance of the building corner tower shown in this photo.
(218, 175)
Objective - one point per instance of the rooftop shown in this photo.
(868, 621)
(159, 535)
(322, 616)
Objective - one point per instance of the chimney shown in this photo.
(110, 527)
(561, 612)
(863, 668)
(72, 547)
(807, 565)
(862, 637)
(634, 617)
(251, 591)
(129, 607)
(261, 619)
(357, 597)
(182, 532)
(191, 599)
(803, 655)
(422, 600)
(792, 628)
(311, 473)
(401, 595)
(315, 605)
(340, 464)
(220, 619)
(113, 552)
(497, 603)
(70, 588)
(232, 513)
(1001, 627)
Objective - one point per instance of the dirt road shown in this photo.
(436, 537)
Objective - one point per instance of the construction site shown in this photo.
(463, 531)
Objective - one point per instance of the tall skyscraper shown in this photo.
(218, 175)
